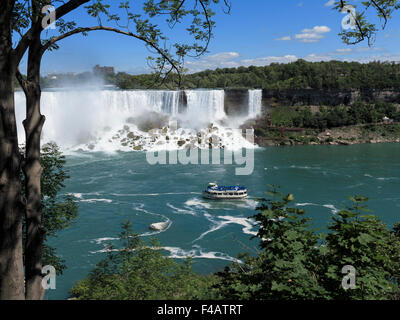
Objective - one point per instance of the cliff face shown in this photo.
(327, 97)
(236, 102)
(182, 102)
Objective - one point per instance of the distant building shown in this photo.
(102, 71)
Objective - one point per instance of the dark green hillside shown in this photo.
(297, 75)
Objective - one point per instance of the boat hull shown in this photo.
(223, 197)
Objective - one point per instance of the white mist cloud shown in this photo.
(287, 38)
(231, 59)
(268, 60)
(330, 3)
(219, 60)
(312, 35)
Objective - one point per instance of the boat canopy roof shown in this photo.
(227, 188)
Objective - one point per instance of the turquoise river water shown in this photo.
(113, 188)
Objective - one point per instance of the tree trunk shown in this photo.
(11, 204)
(33, 125)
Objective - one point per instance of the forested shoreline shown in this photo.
(296, 75)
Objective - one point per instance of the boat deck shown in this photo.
(225, 192)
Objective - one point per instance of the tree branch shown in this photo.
(53, 40)
(21, 80)
(37, 28)
(382, 12)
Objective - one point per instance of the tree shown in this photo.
(139, 271)
(288, 265)
(361, 240)
(361, 27)
(25, 18)
(58, 212)
(296, 263)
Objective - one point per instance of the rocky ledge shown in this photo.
(350, 135)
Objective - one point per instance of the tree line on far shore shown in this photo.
(296, 75)
(358, 113)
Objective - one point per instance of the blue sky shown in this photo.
(257, 32)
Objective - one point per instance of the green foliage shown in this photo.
(288, 264)
(139, 271)
(293, 262)
(296, 75)
(363, 28)
(296, 263)
(58, 212)
(364, 242)
(336, 116)
(148, 21)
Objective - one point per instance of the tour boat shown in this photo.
(216, 192)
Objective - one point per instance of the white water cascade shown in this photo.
(126, 120)
(255, 97)
(207, 105)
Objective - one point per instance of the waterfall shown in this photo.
(255, 101)
(207, 105)
(105, 120)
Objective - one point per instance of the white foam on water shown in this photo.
(198, 253)
(196, 202)
(148, 194)
(140, 208)
(76, 195)
(80, 195)
(184, 211)
(96, 200)
(333, 209)
(100, 240)
(178, 253)
(305, 204)
(248, 203)
(247, 224)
